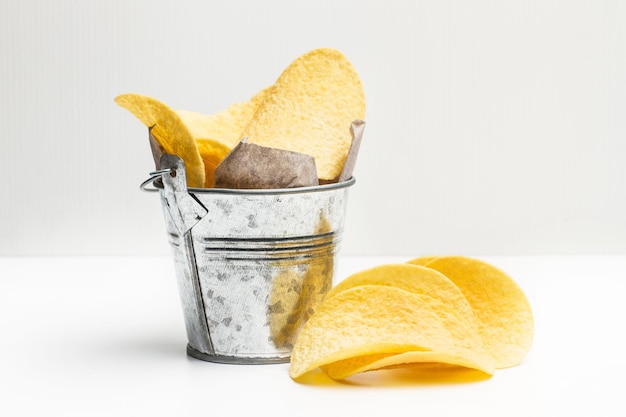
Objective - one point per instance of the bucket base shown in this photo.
(234, 359)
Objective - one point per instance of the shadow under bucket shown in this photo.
(251, 265)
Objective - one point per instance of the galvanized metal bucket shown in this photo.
(251, 265)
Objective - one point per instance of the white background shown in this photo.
(112, 343)
(493, 127)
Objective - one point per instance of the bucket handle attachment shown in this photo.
(183, 207)
(155, 175)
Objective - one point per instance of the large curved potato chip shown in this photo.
(310, 109)
(169, 130)
(382, 319)
(416, 279)
(419, 280)
(504, 315)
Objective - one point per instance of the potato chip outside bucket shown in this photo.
(251, 265)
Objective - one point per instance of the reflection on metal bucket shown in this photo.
(252, 265)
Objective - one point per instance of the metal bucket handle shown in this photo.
(184, 208)
(154, 175)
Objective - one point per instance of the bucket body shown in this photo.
(251, 265)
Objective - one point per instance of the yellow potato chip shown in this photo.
(226, 126)
(379, 319)
(504, 315)
(169, 130)
(413, 278)
(217, 134)
(212, 153)
(416, 279)
(352, 366)
(310, 109)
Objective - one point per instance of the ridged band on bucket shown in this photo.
(252, 265)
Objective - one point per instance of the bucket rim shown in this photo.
(266, 191)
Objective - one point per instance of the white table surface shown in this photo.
(105, 337)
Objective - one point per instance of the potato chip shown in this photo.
(380, 319)
(416, 279)
(217, 134)
(413, 278)
(169, 130)
(504, 315)
(212, 153)
(352, 366)
(226, 126)
(310, 109)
